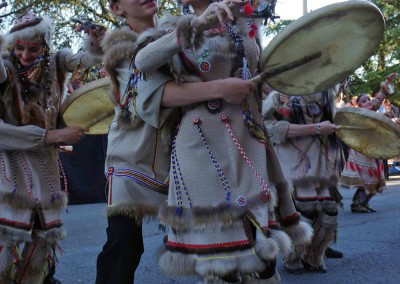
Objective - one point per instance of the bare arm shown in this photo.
(323, 128)
(232, 90)
(68, 135)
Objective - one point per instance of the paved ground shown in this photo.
(370, 243)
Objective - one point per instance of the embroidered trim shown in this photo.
(225, 244)
(3, 168)
(265, 192)
(142, 178)
(175, 170)
(222, 177)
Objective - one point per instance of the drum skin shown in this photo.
(368, 132)
(346, 33)
(90, 106)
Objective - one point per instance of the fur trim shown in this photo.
(50, 236)
(28, 32)
(206, 215)
(188, 37)
(9, 234)
(266, 249)
(118, 47)
(282, 239)
(300, 234)
(175, 263)
(19, 202)
(139, 212)
(169, 262)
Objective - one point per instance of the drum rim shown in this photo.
(99, 83)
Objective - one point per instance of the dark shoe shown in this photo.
(295, 271)
(313, 268)
(332, 253)
(358, 208)
(369, 207)
(51, 280)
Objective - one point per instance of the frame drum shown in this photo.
(368, 132)
(90, 106)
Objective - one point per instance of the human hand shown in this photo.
(387, 86)
(235, 90)
(326, 128)
(224, 12)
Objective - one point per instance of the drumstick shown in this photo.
(291, 65)
(98, 119)
(352, 127)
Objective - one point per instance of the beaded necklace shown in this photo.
(127, 99)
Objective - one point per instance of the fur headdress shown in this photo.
(30, 27)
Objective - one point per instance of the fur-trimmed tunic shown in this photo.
(137, 163)
(364, 172)
(311, 163)
(219, 173)
(30, 188)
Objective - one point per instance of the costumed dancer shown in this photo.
(303, 135)
(31, 87)
(225, 178)
(361, 172)
(137, 162)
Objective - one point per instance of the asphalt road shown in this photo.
(370, 243)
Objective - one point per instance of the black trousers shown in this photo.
(121, 253)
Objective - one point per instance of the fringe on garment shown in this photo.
(222, 214)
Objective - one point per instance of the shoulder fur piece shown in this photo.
(118, 47)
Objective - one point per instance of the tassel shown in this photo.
(370, 172)
(248, 9)
(351, 166)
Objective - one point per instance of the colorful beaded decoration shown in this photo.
(214, 160)
(175, 171)
(265, 193)
(214, 106)
(303, 162)
(63, 175)
(205, 66)
(3, 168)
(128, 97)
(241, 201)
(27, 172)
(47, 175)
(14, 169)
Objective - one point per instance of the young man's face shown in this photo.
(138, 9)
